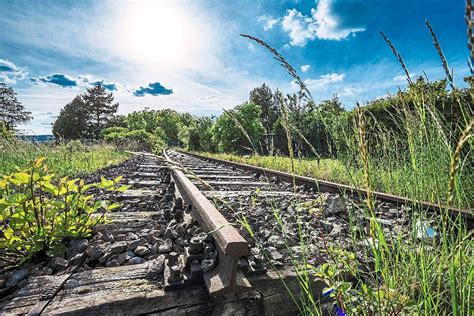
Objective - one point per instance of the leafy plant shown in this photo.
(38, 212)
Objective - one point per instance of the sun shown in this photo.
(161, 32)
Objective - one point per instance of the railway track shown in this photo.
(198, 235)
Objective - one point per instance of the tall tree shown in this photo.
(263, 96)
(100, 107)
(73, 121)
(12, 112)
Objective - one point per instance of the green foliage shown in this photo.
(38, 211)
(137, 140)
(200, 135)
(5, 133)
(87, 115)
(12, 112)
(227, 131)
(73, 121)
(65, 159)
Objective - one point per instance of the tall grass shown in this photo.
(415, 273)
(69, 159)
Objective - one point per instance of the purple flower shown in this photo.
(340, 312)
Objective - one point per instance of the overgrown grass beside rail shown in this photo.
(69, 159)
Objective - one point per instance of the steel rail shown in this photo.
(225, 278)
(332, 187)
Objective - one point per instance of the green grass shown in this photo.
(70, 159)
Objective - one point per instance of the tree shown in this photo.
(228, 135)
(263, 97)
(100, 107)
(73, 121)
(200, 134)
(12, 112)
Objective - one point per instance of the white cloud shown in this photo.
(11, 73)
(250, 46)
(305, 68)
(324, 23)
(322, 81)
(268, 21)
(299, 27)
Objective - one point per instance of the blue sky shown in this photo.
(188, 55)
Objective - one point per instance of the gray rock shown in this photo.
(136, 260)
(108, 237)
(384, 222)
(118, 247)
(134, 244)
(78, 246)
(335, 204)
(77, 258)
(166, 247)
(156, 267)
(121, 237)
(121, 258)
(16, 277)
(142, 250)
(112, 263)
(94, 252)
(59, 263)
(275, 255)
(132, 236)
(130, 255)
(171, 233)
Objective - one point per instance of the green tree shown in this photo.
(73, 121)
(170, 122)
(200, 134)
(12, 112)
(228, 131)
(101, 108)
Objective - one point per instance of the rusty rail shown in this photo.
(225, 277)
(332, 187)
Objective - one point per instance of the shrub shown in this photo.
(37, 211)
(136, 140)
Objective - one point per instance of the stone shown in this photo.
(129, 255)
(108, 237)
(384, 222)
(335, 204)
(112, 263)
(118, 247)
(94, 252)
(155, 267)
(134, 244)
(121, 237)
(59, 263)
(136, 260)
(207, 264)
(77, 246)
(171, 233)
(132, 236)
(77, 259)
(16, 277)
(142, 250)
(166, 247)
(275, 255)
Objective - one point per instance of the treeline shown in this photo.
(269, 123)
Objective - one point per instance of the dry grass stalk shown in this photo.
(455, 160)
(449, 74)
(304, 91)
(399, 57)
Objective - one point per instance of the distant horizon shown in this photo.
(188, 55)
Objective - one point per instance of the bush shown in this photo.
(135, 140)
(37, 211)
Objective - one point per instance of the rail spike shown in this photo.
(225, 278)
